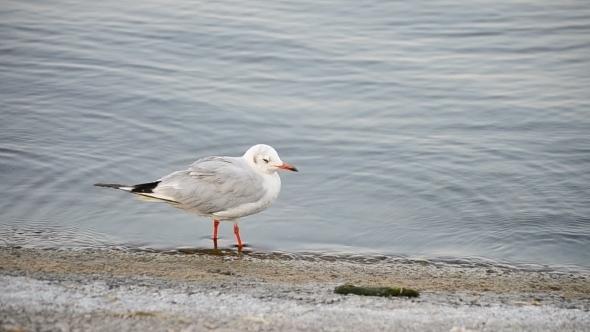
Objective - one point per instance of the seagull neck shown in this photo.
(249, 160)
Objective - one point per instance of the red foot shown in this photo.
(215, 225)
(237, 233)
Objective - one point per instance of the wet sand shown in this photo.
(108, 289)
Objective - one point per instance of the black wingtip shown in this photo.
(146, 188)
(109, 185)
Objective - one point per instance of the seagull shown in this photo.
(221, 188)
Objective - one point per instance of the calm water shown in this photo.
(449, 131)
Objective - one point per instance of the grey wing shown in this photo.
(213, 184)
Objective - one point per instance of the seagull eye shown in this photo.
(266, 159)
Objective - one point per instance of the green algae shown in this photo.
(375, 291)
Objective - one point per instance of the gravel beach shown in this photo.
(94, 290)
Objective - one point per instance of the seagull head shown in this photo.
(265, 158)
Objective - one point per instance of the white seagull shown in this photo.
(221, 188)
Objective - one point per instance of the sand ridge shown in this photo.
(227, 266)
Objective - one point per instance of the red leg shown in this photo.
(237, 233)
(215, 225)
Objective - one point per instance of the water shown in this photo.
(446, 131)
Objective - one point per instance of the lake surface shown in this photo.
(449, 131)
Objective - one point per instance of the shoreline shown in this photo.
(191, 267)
(274, 293)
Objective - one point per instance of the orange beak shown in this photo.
(288, 167)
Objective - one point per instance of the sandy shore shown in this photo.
(113, 290)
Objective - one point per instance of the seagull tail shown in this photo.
(143, 188)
